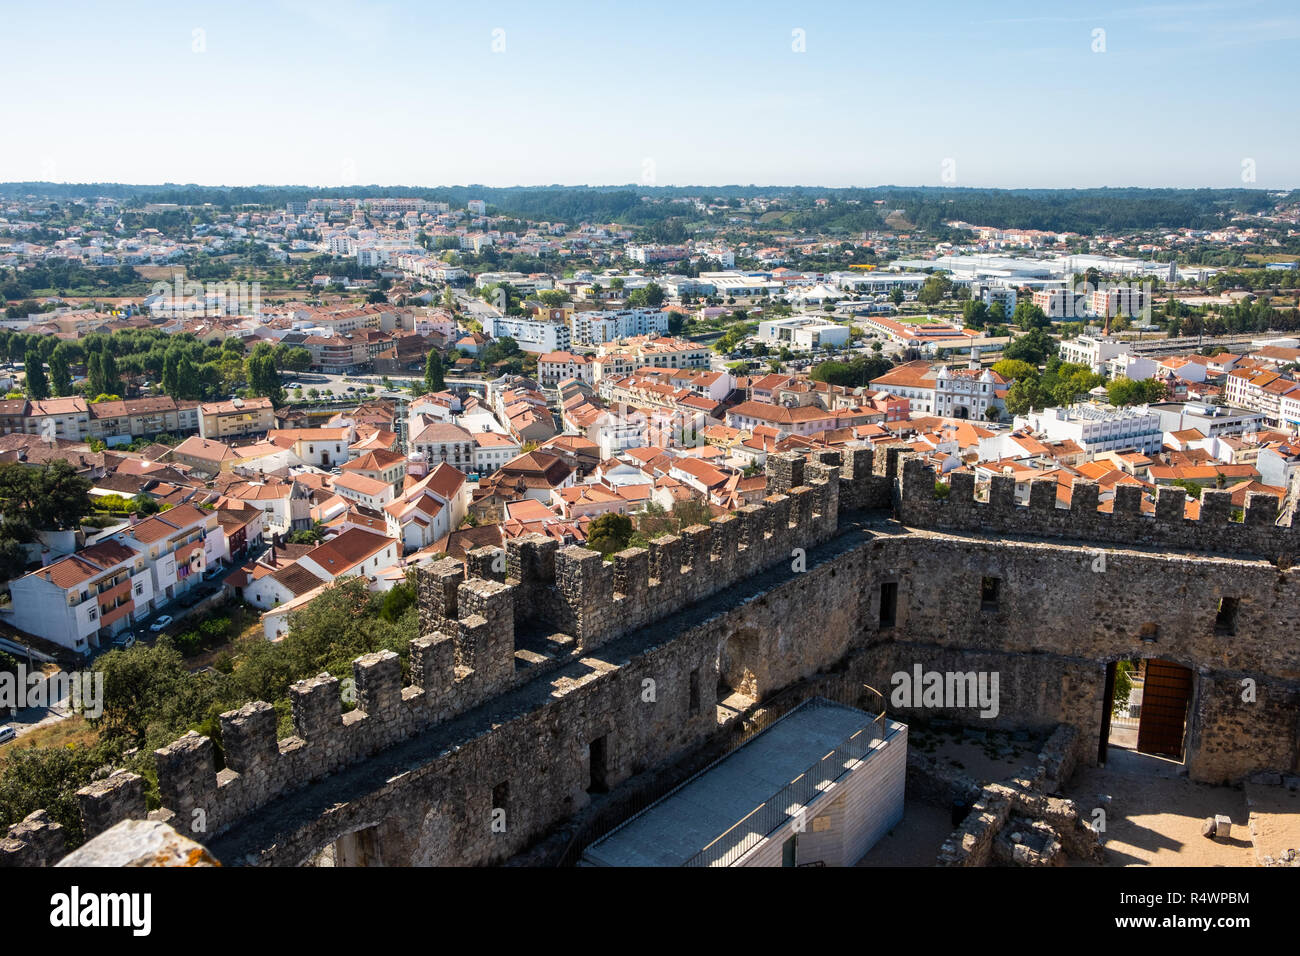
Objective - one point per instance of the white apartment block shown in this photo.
(600, 326)
(1098, 428)
(1093, 351)
(531, 335)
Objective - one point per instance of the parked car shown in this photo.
(7, 734)
(161, 623)
(190, 599)
(124, 641)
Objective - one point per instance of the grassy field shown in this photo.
(1270, 257)
(64, 733)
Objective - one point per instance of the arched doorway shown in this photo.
(360, 847)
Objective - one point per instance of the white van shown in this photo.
(7, 734)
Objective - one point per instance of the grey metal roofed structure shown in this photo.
(720, 815)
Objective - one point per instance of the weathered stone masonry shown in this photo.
(520, 679)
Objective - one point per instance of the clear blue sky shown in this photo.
(341, 92)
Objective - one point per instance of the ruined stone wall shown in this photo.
(1059, 619)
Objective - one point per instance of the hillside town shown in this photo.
(242, 444)
(485, 406)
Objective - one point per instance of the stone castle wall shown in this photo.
(522, 677)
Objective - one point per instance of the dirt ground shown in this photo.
(916, 839)
(997, 756)
(1155, 815)
(1274, 819)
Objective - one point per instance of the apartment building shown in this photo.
(1259, 390)
(555, 367)
(237, 418)
(121, 422)
(1123, 300)
(85, 598)
(492, 450)
(1098, 428)
(1061, 303)
(67, 418)
(532, 335)
(627, 356)
(336, 354)
(178, 546)
(1093, 351)
(437, 442)
(600, 326)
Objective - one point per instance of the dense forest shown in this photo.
(1078, 210)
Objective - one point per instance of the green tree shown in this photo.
(51, 497)
(974, 313)
(1123, 688)
(1032, 347)
(60, 376)
(609, 533)
(13, 559)
(433, 372)
(110, 378)
(94, 375)
(934, 289)
(142, 687)
(1022, 396)
(1029, 316)
(47, 778)
(38, 386)
(189, 384)
(1013, 370)
(1123, 391)
(263, 377)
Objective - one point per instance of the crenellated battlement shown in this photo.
(1214, 532)
(525, 622)
(467, 651)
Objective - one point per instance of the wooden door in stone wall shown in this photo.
(1165, 699)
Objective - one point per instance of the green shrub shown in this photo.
(189, 643)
